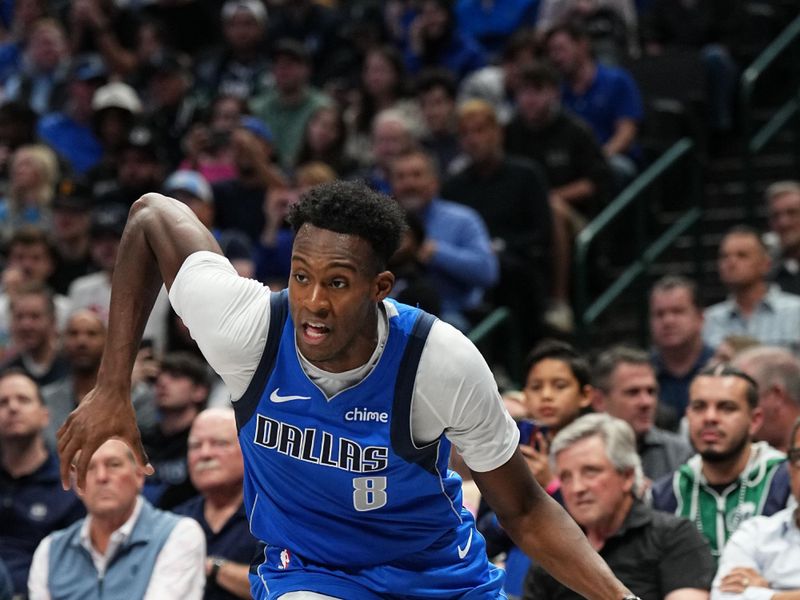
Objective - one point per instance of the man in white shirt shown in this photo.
(761, 561)
(124, 548)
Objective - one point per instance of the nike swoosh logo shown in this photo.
(463, 553)
(274, 397)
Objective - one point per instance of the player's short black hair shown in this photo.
(354, 209)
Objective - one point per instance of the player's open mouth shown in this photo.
(314, 332)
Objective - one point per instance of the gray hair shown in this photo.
(771, 365)
(779, 188)
(617, 436)
(394, 115)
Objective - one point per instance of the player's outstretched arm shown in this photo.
(160, 233)
(545, 532)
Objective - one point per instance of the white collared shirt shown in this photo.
(116, 539)
(771, 546)
(179, 570)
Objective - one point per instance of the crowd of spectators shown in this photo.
(501, 128)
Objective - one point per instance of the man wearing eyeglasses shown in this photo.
(761, 559)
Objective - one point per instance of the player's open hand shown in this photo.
(99, 417)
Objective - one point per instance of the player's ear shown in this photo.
(383, 284)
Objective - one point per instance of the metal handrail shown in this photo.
(500, 320)
(754, 141)
(635, 194)
(489, 324)
(639, 266)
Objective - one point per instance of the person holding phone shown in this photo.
(557, 391)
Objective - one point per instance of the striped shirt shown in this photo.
(775, 321)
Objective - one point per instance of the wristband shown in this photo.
(216, 564)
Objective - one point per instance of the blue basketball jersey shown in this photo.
(341, 482)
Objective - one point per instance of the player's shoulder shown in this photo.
(452, 353)
(444, 343)
(205, 260)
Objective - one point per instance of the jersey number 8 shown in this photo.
(369, 493)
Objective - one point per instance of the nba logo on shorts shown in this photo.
(285, 558)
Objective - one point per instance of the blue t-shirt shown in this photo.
(493, 23)
(72, 141)
(613, 95)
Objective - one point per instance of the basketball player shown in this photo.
(346, 404)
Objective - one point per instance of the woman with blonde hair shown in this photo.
(33, 176)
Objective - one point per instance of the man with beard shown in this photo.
(83, 339)
(730, 479)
